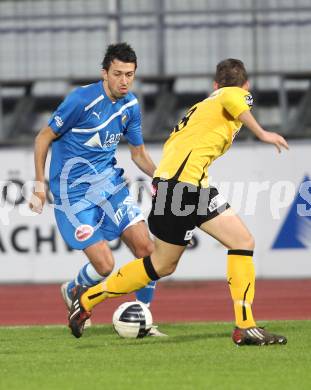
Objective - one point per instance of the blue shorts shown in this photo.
(83, 222)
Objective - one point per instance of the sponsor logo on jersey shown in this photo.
(249, 100)
(110, 140)
(84, 232)
(97, 114)
(58, 120)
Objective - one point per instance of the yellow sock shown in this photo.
(131, 277)
(241, 280)
(93, 296)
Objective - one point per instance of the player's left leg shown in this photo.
(228, 229)
(133, 231)
(136, 237)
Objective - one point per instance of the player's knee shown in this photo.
(247, 242)
(104, 267)
(166, 269)
(144, 249)
(250, 242)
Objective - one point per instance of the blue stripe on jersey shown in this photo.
(90, 126)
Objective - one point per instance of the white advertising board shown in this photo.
(271, 192)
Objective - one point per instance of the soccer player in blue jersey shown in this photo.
(91, 199)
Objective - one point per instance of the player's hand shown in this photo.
(37, 201)
(276, 139)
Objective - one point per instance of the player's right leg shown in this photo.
(100, 266)
(137, 239)
(84, 236)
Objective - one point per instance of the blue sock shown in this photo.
(87, 276)
(70, 286)
(145, 294)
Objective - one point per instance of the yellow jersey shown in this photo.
(205, 133)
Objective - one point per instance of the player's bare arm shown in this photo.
(142, 159)
(265, 136)
(42, 143)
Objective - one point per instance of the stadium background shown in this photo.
(49, 47)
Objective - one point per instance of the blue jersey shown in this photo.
(90, 126)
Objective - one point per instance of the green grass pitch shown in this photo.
(194, 356)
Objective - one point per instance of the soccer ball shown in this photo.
(132, 320)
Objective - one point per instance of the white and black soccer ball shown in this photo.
(132, 320)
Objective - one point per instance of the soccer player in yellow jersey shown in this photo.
(183, 200)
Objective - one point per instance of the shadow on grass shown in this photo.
(100, 331)
(177, 339)
(94, 333)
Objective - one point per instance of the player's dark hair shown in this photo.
(119, 51)
(231, 73)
